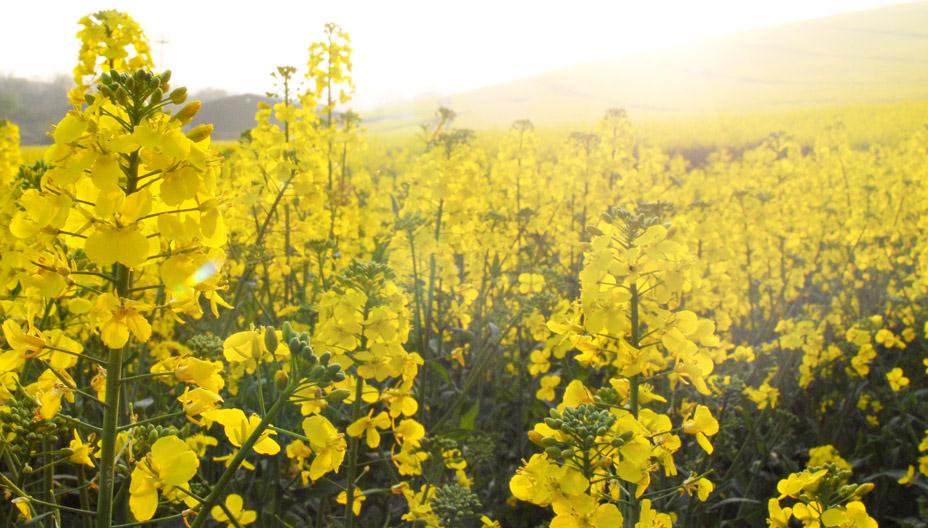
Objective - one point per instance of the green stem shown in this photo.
(213, 498)
(107, 473)
(108, 453)
(353, 455)
(631, 507)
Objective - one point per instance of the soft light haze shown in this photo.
(401, 49)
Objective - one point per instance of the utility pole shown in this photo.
(161, 42)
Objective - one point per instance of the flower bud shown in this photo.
(185, 114)
(156, 96)
(179, 95)
(864, 489)
(122, 96)
(200, 132)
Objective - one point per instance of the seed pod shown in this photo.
(281, 380)
(338, 396)
(287, 329)
(270, 339)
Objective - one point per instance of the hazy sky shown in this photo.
(403, 48)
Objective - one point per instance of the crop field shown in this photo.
(677, 321)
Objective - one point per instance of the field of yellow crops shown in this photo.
(655, 325)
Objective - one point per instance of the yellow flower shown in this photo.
(25, 509)
(205, 374)
(368, 426)
(853, 515)
(908, 477)
(585, 512)
(795, 483)
(486, 522)
(125, 245)
(118, 317)
(548, 384)
(408, 433)
(170, 464)
(28, 344)
(702, 487)
(328, 444)
(821, 455)
(80, 452)
(238, 428)
(408, 460)
(199, 442)
(244, 347)
(359, 498)
(199, 401)
(777, 517)
(235, 505)
(651, 518)
(897, 380)
(703, 425)
(48, 390)
(381, 325)
(542, 482)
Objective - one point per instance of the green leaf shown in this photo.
(469, 418)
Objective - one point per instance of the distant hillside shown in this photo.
(873, 56)
(230, 115)
(877, 56)
(35, 105)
